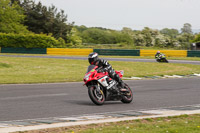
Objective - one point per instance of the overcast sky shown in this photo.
(135, 14)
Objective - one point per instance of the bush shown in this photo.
(196, 39)
(29, 41)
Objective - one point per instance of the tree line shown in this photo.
(28, 17)
(165, 38)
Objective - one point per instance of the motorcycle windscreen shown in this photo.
(90, 67)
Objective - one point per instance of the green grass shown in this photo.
(44, 70)
(181, 124)
(176, 124)
(39, 70)
(4, 65)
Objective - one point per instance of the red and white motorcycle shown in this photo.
(102, 88)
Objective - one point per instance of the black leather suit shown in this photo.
(107, 67)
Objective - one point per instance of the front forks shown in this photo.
(98, 88)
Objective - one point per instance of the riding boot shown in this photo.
(122, 84)
(119, 80)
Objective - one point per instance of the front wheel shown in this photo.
(127, 97)
(97, 96)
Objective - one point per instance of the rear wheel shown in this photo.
(97, 96)
(127, 97)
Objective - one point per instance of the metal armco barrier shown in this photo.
(66, 51)
(169, 53)
(24, 50)
(193, 53)
(117, 52)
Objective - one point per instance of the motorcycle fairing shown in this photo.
(103, 81)
(92, 74)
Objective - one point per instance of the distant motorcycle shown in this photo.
(102, 88)
(162, 58)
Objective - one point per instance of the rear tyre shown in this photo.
(96, 96)
(128, 96)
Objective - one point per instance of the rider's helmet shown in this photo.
(158, 52)
(92, 58)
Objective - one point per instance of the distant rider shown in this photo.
(94, 60)
(157, 55)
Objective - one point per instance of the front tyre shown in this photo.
(127, 97)
(158, 60)
(96, 96)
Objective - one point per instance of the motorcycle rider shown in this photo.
(94, 60)
(157, 55)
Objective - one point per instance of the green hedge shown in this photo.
(28, 41)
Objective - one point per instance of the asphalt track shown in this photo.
(109, 59)
(18, 102)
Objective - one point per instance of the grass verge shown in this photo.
(176, 124)
(44, 70)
